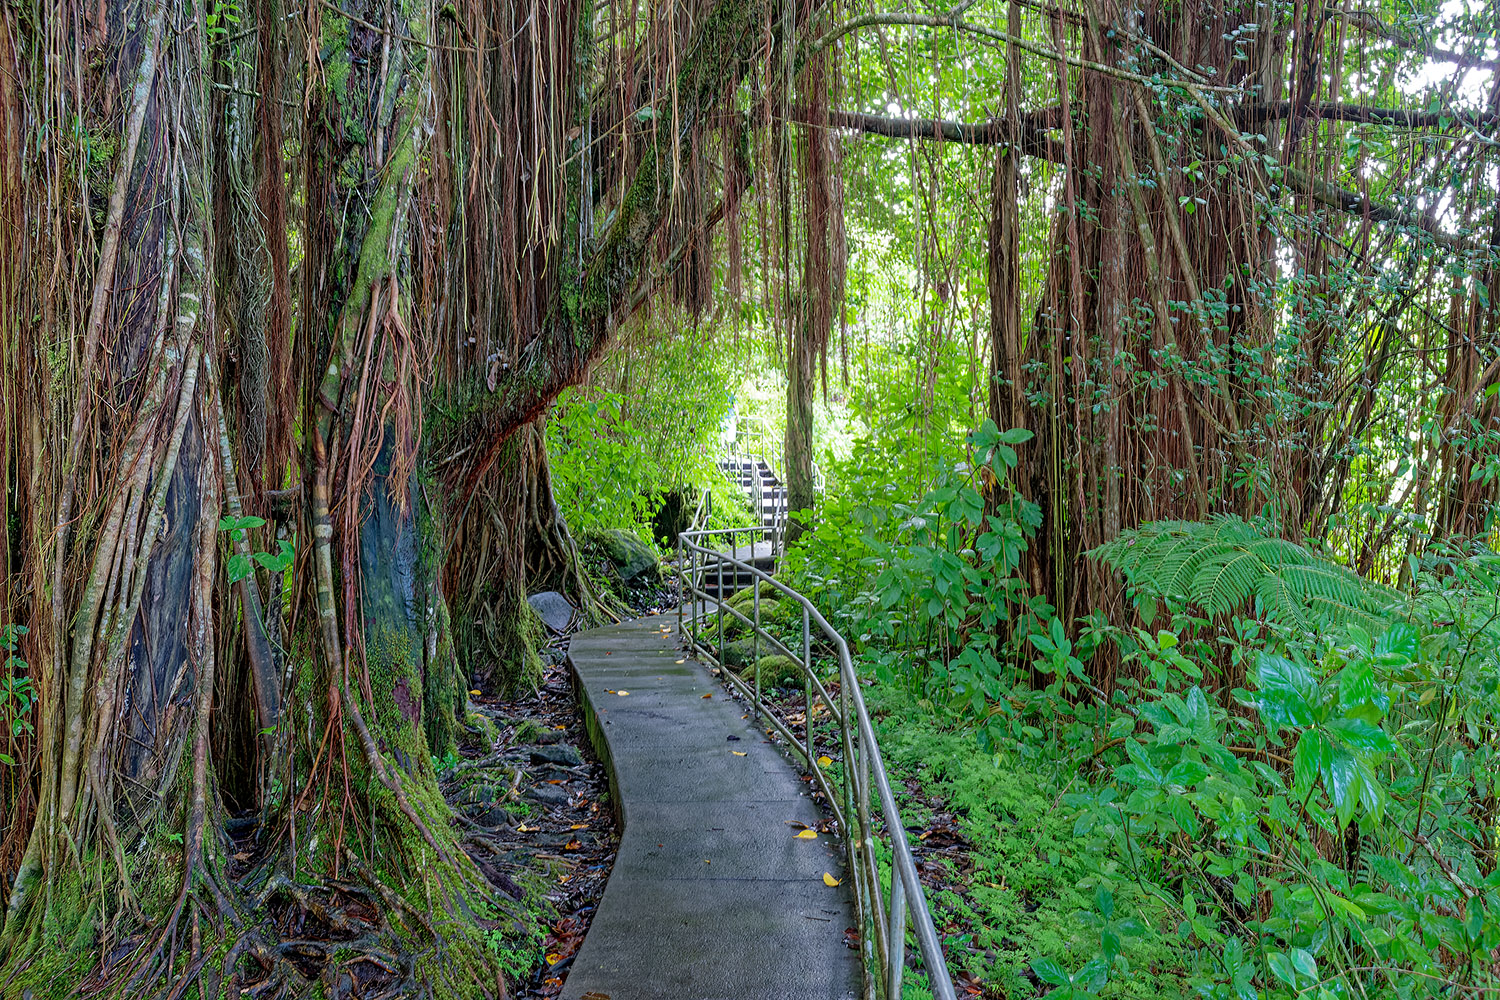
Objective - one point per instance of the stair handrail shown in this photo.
(697, 559)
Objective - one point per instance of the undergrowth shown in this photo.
(1287, 789)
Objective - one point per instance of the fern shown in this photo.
(1226, 564)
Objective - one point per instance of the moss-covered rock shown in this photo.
(777, 614)
(774, 671)
(633, 561)
(740, 653)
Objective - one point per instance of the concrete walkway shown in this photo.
(713, 896)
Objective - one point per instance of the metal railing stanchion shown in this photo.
(882, 930)
(807, 687)
(895, 937)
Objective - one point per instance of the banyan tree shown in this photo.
(286, 289)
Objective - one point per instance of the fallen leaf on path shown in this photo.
(554, 958)
(579, 826)
(475, 692)
(739, 753)
(622, 693)
(829, 880)
(808, 835)
(825, 761)
(523, 828)
(681, 661)
(573, 845)
(709, 695)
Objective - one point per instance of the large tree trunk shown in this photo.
(820, 296)
(1148, 410)
(436, 289)
(127, 475)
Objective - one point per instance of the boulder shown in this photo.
(740, 653)
(553, 609)
(633, 560)
(560, 753)
(774, 671)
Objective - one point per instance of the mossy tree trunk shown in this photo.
(121, 547)
(129, 450)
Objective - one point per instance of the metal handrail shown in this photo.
(697, 560)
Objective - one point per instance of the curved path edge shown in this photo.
(712, 895)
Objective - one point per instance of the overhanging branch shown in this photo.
(1035, 142)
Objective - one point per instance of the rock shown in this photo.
(774, 671)
(560, 753)
(553, 609)
(633, 559)
(740, 653)
(548, 795)
(529, 731)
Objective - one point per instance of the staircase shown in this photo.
(754, 476)
(767, 495)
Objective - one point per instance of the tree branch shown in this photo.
(579, 328)
(925, 20)
(1035, 143)
(1033, 140)
(1368, 115)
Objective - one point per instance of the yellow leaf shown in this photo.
(579, 826)
(475, 693)
(824, 761)
(622, 693)
(709, 695)
(528, 829)
(829, 880)
(682, 661)
(554, 958)
(738, 753)
(808, 835)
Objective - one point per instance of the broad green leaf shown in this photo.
(1356, 684)
(1362, 736)
(1048, 971)
(1308, 760)
(238, 567)
(1281, 968)
(1284, 690)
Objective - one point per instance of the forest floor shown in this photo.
(556, 813)
(558, 820)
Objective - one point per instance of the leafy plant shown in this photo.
(241, 565)
(1227, 563)
(16, 692)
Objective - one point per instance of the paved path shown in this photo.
(712, 896)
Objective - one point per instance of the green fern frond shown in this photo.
(1227, 564)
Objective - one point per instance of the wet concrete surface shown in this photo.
(713, 896)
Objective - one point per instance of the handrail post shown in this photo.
(807, 684)
(755, 638)
(895, 935)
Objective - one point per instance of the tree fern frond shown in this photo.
(1224, 564)
(1226, 580)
